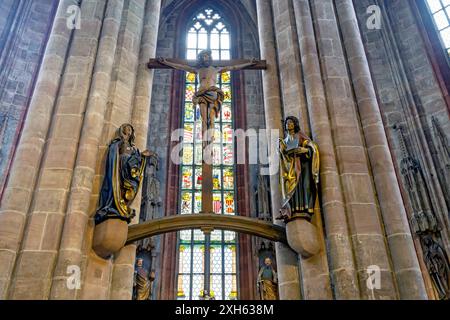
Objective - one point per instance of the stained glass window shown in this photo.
(208, 30)
(440, 10)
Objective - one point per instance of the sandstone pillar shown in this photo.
(360, 199)
(123, 273)
(406, 266)
(70, 252)
(144, 82)
(289, 64)
(315, 279)
(118, 111)
(342, 266)
(287, 261)
(46, 220)
(18, 193)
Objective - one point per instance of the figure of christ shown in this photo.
(209, 96)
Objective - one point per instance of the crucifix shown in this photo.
(209, 98)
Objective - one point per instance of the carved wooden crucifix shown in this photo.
(209, 97)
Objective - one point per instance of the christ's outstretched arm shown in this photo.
(178, 66)
(238, 66)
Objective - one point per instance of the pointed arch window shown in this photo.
(207, 30)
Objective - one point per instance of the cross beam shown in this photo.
(260, 64)
(179, 222)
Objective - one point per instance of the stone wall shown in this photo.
(91, 80)
(24, 28)
(7, 8)
(325, 80)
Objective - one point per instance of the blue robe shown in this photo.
(123, 176)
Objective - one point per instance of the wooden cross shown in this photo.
(260, 64)
(206, 74)
(207, 180)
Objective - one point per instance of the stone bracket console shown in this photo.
(302, 237)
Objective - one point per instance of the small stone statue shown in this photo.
(299, 172)
(142, 281)
(268, 281)
(436, 261)
(123, 176)
(207, 296)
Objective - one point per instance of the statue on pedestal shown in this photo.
(268, 281)
(142, 281)
(299, 173)
(124, 171)
(436, 261)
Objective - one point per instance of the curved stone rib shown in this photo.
(207, 221)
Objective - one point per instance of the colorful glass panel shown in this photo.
(198, 178)
(228, 178)
(226, 113)
(187, 178)
(227, 133)
(188, 156)
(186, 202)
(188, 133)
(228, 154)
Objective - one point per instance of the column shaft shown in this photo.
(123, 272)
(25, 167)
(362, 210)
(314, 271)
(118, 111)
(287, 261)
(70, 252)
(342, 265)
(406, 265)
(289, 64)
(43, 232)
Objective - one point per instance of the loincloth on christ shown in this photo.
(212, 97)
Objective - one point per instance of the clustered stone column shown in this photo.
(342, 266)
(78, 214)
(91, 81)
(316, 285)
(364, 216)
(122, 278)
(47, 214)
(18, 193)
(405, 263)
(287, 262)
(289, 64)
(365, 225)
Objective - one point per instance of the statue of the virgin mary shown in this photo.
(124, 172)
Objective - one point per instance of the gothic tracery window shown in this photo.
(440, 10)
(207, 30)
